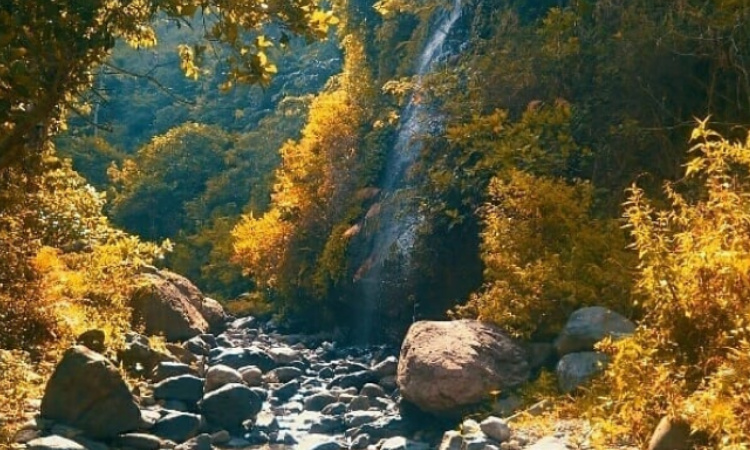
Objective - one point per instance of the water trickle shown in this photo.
(399, 217)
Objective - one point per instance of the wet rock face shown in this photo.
(87, 392)
(445, 366)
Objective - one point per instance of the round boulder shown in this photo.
(230, 405)
(445, 366)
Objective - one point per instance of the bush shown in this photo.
(691, 355)
(545, 256)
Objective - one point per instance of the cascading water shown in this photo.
(398, 216)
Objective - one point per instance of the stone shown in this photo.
(372, 390)
(211, 310)
(358, 418)
(362, 441)
(317, 402)
(548, 443)
(575, 369)
(220, 375)
(328, 425)
(359, 403)
(395, 443)
(177, 426)
(87, 391)
(238, 358)
(670, 434)
(221, 437)
(356, 379)
(446, 366)
(139, 441)
(388, 383)
(93, 340)
(197, 346)
(587, 326)
(163, 309)
(230, 405)
(387, 367)
(334, 409)
(137, 355)
(26, 435)
(326, 373)
(315, 442)
(148, 419)
(186, 388)
(383, 428)
(169, 369)
(244, 323)
(182, 354)
(54, 443)
(287, 391)
(283, 374)
(283, 355)
(200, 442)
(252, 376)
(495, 428)
(452, 440)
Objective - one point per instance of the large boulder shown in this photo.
(86, 391)
(163, 308)
(210, 309)
(587, 326)
(445, 366)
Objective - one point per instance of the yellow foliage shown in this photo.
(545, 256)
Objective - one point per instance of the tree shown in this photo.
(49, 50)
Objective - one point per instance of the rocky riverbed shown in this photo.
(251, 388)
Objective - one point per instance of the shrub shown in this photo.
(545, 256)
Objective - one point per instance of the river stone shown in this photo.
(211, 310)
(496, 428)
(139, 441)
(317, 402)
(252, 376)
(670, 434)
(169, 369)
(372, 390)
(186, 388)
(177, 426)
(220, 375)
(283, 374)
(387, 367)
(452, 440)
(356, 379)
(283, 355)
(287, 391)
(87, 392)
(54, 443)
(446, 366)
(238, 358)
(200, 442)
(575, 369)
(587, 326)
(230, 405)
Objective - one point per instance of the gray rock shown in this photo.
(139, 441)
(548, 443)
(169, 369)
(355, 379)
(238, 358)
(372, 390)
(359, 418)
(313, 442)
(197, 346)
(383, 428)
(221, 437)
(359, 403)
(495, 428)
(244, 323)
(334, 409)
(587, 326)
(452, 440)
(27, 435)
(220, 375)
(54, 443)
(230, 405)
(200, 442)
(266, 422)
(283, 355)
(387, 367)
(326, 373)
(362, 441)
(287, 391)
(575, 369)
(186, 388)
(328, 425)
(177, 426)
(283, 374)
(148, 419)
(319, 401)
(88, 392)
(670, 434)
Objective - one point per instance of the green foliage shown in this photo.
(545, 256)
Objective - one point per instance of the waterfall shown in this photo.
(398, 214)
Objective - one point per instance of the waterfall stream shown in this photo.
(398, 216)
